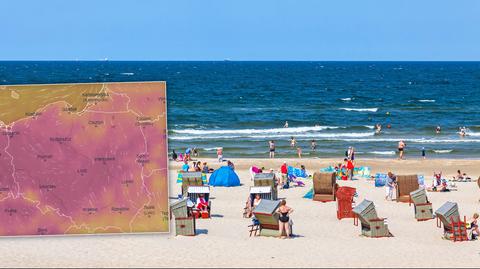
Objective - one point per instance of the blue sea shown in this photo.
(240, 106)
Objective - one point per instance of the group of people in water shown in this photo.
(293, 145)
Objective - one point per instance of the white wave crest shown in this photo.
(442, 150)
(383, 152)
(322, 136)
(375, 109)
(290, 130)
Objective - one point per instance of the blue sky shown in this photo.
(240, 30)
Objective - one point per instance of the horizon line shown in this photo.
(228, 60)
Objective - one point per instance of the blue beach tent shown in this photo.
(224, 177)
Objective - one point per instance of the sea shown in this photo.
(240, 106)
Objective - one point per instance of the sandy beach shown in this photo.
(321, 240)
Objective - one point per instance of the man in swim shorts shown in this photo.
(271, 145)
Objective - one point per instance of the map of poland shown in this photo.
(83, 159)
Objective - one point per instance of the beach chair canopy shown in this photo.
(406, 184)
(224, 177)
(189, 176)
(419, 196)
(260, 190)
(324, 183)
(198, 189)
(267, 207)
(448, 211)
(366, 211)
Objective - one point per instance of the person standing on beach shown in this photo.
(423, 153)
(401, 149)
(220, 154)
(390, 185)
(284, 219)
(284, 172)
(314, 145)
(271, 145)
(286, 124)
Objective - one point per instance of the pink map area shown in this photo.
(100, 170)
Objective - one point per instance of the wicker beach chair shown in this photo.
(405, 185)
(422, 207)
(267, 180)
(267, 216)
(372, 225)
(193, 192)
(184, 220)
(453, 227)
(324, 187)
(191, 179)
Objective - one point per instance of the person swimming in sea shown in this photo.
(286, 124)
(438, 129)
(378, 128)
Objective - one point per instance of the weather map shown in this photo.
(83, 159)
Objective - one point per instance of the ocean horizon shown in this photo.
(241, 105)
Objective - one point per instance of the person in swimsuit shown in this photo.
(314, 145)
(401, 147)
(286, 125)
(284, 219)
(438, 129)
(271, 145)
(293, 142)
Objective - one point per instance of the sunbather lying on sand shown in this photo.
(461, 177)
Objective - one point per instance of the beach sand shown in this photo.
(322, 240)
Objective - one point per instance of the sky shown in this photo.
(354, 30)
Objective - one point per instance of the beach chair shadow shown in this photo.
(216, 216)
